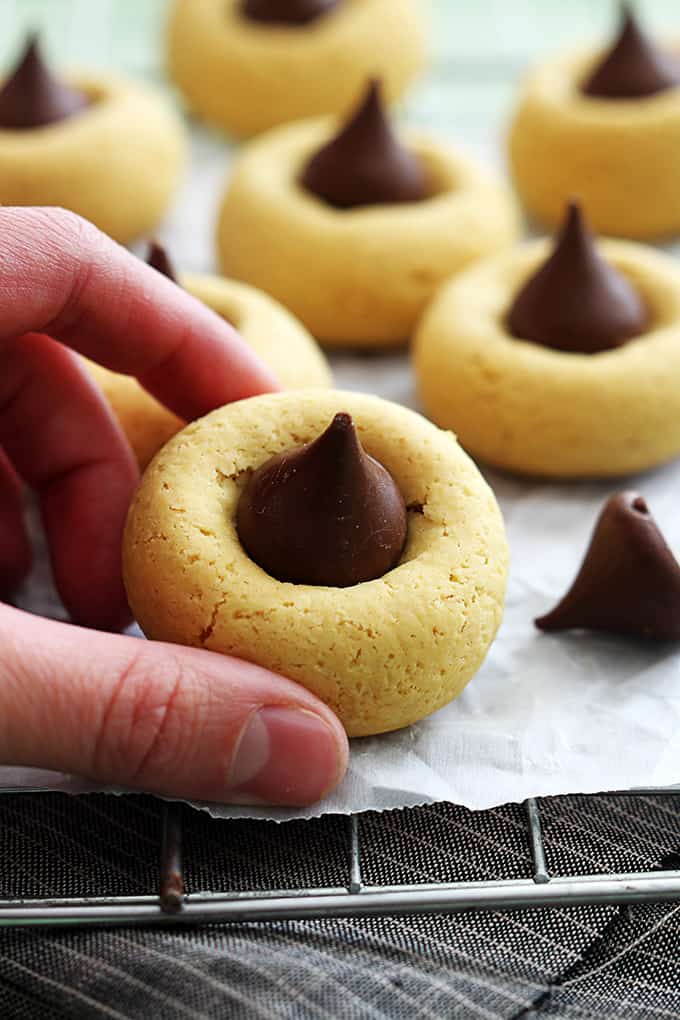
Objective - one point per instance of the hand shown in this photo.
(135, 713)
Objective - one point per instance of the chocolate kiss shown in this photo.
(633, 67)
(325, 513)
(158, 258)
(629, 581)
(576, 301)
(287, 12)
(365, 164)
(32, 97)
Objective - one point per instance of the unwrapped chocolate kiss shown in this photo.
(325, 513)
(576, 301)
(629, 581)
(33, 97)
(634, 67)
(365, 163)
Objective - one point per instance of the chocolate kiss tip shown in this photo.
(629, 581)
(342, 420)
(325, 513)
(33, 97)
(158, 258)
(633, 67)
(576, 301)
(287, 12)
(365, 163)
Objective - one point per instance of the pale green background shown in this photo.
(480, 47)
(480, 50)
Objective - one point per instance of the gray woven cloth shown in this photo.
(573, 962)
(580, 962)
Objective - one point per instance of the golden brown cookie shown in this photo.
(537, 410)
(117, 162)
(382, 653)
(603, 127)
(355, 276)
(247, 76)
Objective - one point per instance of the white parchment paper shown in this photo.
(547, 714)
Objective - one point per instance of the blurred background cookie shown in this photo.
(247, 65)
(354, 228)
(104, 146)
(560, 363)
(603, 127)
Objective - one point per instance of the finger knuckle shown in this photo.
(150, 716)
(70, 225)
(80, 242)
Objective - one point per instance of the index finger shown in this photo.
(61, 276)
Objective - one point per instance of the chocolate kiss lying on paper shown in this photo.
(629, 581)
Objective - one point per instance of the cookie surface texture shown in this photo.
(383, 653)
(355, 277)
(620, 158)
(117, 163)
(538, 411)
(246, 76)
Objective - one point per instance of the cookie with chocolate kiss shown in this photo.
(32, 96)
(629, 581)
(366, 164)
(286, 12)
(325, 513)
(576, 301)
(634, 67)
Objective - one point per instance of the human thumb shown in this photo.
(161, 718)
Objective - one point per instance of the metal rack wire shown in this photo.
(355, 899)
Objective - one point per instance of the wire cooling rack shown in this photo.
(172, 906)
